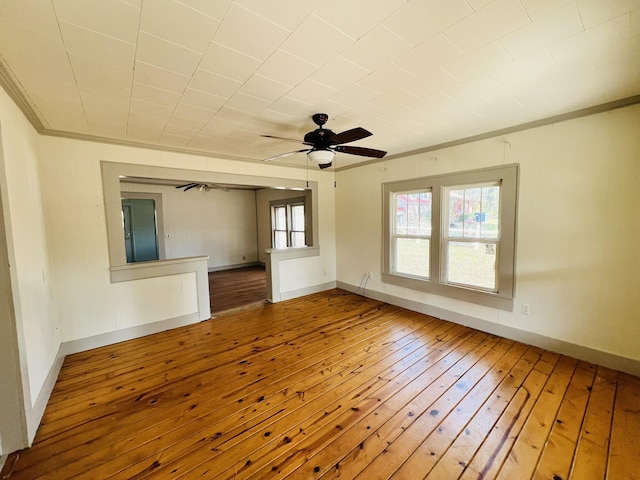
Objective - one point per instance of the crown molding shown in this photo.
(10, 83)
(603, 107)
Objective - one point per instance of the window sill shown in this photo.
(487, 299)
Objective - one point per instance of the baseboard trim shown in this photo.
(234, 266)
(307, 291)
(598, 357)
(109, 338)
(37, 411)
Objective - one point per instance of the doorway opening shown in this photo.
(237, 289)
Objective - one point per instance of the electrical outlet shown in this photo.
(525, 309)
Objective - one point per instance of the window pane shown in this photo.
(297, 218)
(280, 214)
(489, 227)
(280, 239)
(472, 264)
(297, 239)
(413, 213)
(412, 256)
(474, 212)
(401, 214)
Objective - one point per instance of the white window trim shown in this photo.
(503, 299)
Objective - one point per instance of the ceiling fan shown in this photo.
(203, 187)
(324, 143)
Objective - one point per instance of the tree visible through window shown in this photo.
(453, 235)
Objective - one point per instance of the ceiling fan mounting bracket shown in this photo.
(320, 119)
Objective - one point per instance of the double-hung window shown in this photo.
(288, 223)
(453, 235)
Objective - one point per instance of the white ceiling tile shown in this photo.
(166, 55)
(353, 95)
(419, 21)
(220, 127)
(389, 77)
(477, 62)
(433, 82)
(18, 41)
(114, 19)
(289, 106)
(155, 95)
(247, 103)
(244, 39)
(378, 47)
(339, 73)
(185, 126)
(497, 19)
(593, 43)
(234, 115)
(142, 132)
(197, 114)
(213, 83)
(215, 9)
(554, 27)
(228, 63)
(537, 9)
(264, 88)
(154, 122)
(311, 92)
(356, 17)
(316, 41)
(85, 68)
(159, 77)
(142, 107)
(595, 12)
(288, 13)
(394, 99)
(202, 99)
(286, 68)
(437, 51)
(88, 43)
(95, 106)
(95, 86)
(469, 90)
(478, 4)
(176, 141)
(179, 24)
(36, 15)
(526, 68)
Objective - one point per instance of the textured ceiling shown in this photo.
(211, 76)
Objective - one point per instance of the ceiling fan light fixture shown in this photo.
(321, 157)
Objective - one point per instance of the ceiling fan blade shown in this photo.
(286, 154)
(352, 135)
(324, 165)
(285, 139)
(193, 185)
(365, 152)
(186, 185)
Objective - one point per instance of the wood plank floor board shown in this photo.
(220, 361)
(332, 385)
(289, 368)
(357, 405)
(590, 460)
(454, 461)
(557, 457)
(331, 388)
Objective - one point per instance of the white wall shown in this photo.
(216, 223)
(36, 323)
(88, 303)
(577, 252)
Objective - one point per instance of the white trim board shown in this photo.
(580, 352)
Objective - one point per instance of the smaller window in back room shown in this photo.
(288, 223)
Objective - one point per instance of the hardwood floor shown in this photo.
(333, 385)
(237, 288)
